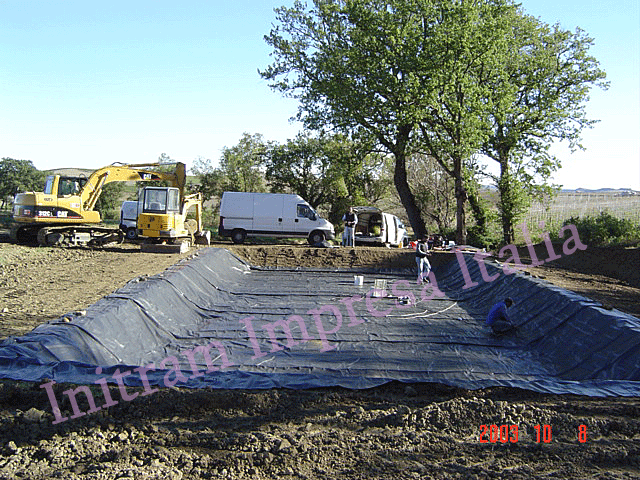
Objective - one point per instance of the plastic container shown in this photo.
(380, 288)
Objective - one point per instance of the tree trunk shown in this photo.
(461, 198)
(406, 196)
(506, 201)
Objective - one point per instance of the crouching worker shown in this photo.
(498, 318)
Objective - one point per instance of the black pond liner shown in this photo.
(565, 343)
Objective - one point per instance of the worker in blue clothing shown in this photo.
(424, 267)
(498, 318)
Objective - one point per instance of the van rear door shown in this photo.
(267, 213)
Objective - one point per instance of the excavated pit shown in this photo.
(216, 321)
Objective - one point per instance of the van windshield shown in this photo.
(306, 211)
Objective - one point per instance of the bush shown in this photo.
(210, 219)
(5, 219)
(110, 215)
(605, 229)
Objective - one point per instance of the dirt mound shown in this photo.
(302, 256)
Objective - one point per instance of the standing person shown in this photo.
(424, 267)
(498, 318)
(350, 220)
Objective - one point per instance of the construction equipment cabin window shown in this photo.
(174, 200)
(155, 200)
(48, 187)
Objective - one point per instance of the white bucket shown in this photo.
(358, 280)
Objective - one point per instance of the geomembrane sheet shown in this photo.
(215, 321)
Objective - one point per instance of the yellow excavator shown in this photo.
(163, 223)
(64, 213)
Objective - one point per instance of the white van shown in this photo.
(376, 227)
(270, 215)
(129, 219)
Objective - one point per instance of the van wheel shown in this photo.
(238, 236)
(316, 237)
(132, 233)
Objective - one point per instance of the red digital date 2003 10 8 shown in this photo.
(509, 433)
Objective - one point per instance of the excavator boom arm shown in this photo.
(128, 173)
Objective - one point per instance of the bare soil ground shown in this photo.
(395, 431)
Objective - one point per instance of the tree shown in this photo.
(18, 176)
(241, 168)
(362, 169)
(351, 65)
(211, 181)
(433, 188)
(414, 74)
(242, 165)
(329, 169)
(540, 98)
(110, 198)
(469, 45)
(300, 166)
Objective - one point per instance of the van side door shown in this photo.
(268, 214)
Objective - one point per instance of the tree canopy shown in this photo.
(540, 97)
(350, 66)
(18, 176)
(447, 79)
(327, 169)
(241, 168)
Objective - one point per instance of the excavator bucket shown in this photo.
(203, 238)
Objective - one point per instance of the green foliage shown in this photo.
(605, 229)
(18, 176)
(241, 168)
(487, 235)
(513, 204)
(538, 98)
(301, 166)
(110, 199)
(433, 190)
(211, 181)
(350, 66)
(242, 164)
(448, 79)
(327, 170)
(210, 219)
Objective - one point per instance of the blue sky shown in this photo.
(84, 83)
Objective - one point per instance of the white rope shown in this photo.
(422, 314)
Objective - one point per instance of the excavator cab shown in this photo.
(160, 216)
(163, 222)
(63, 186)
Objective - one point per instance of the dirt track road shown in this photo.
(394, 431)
